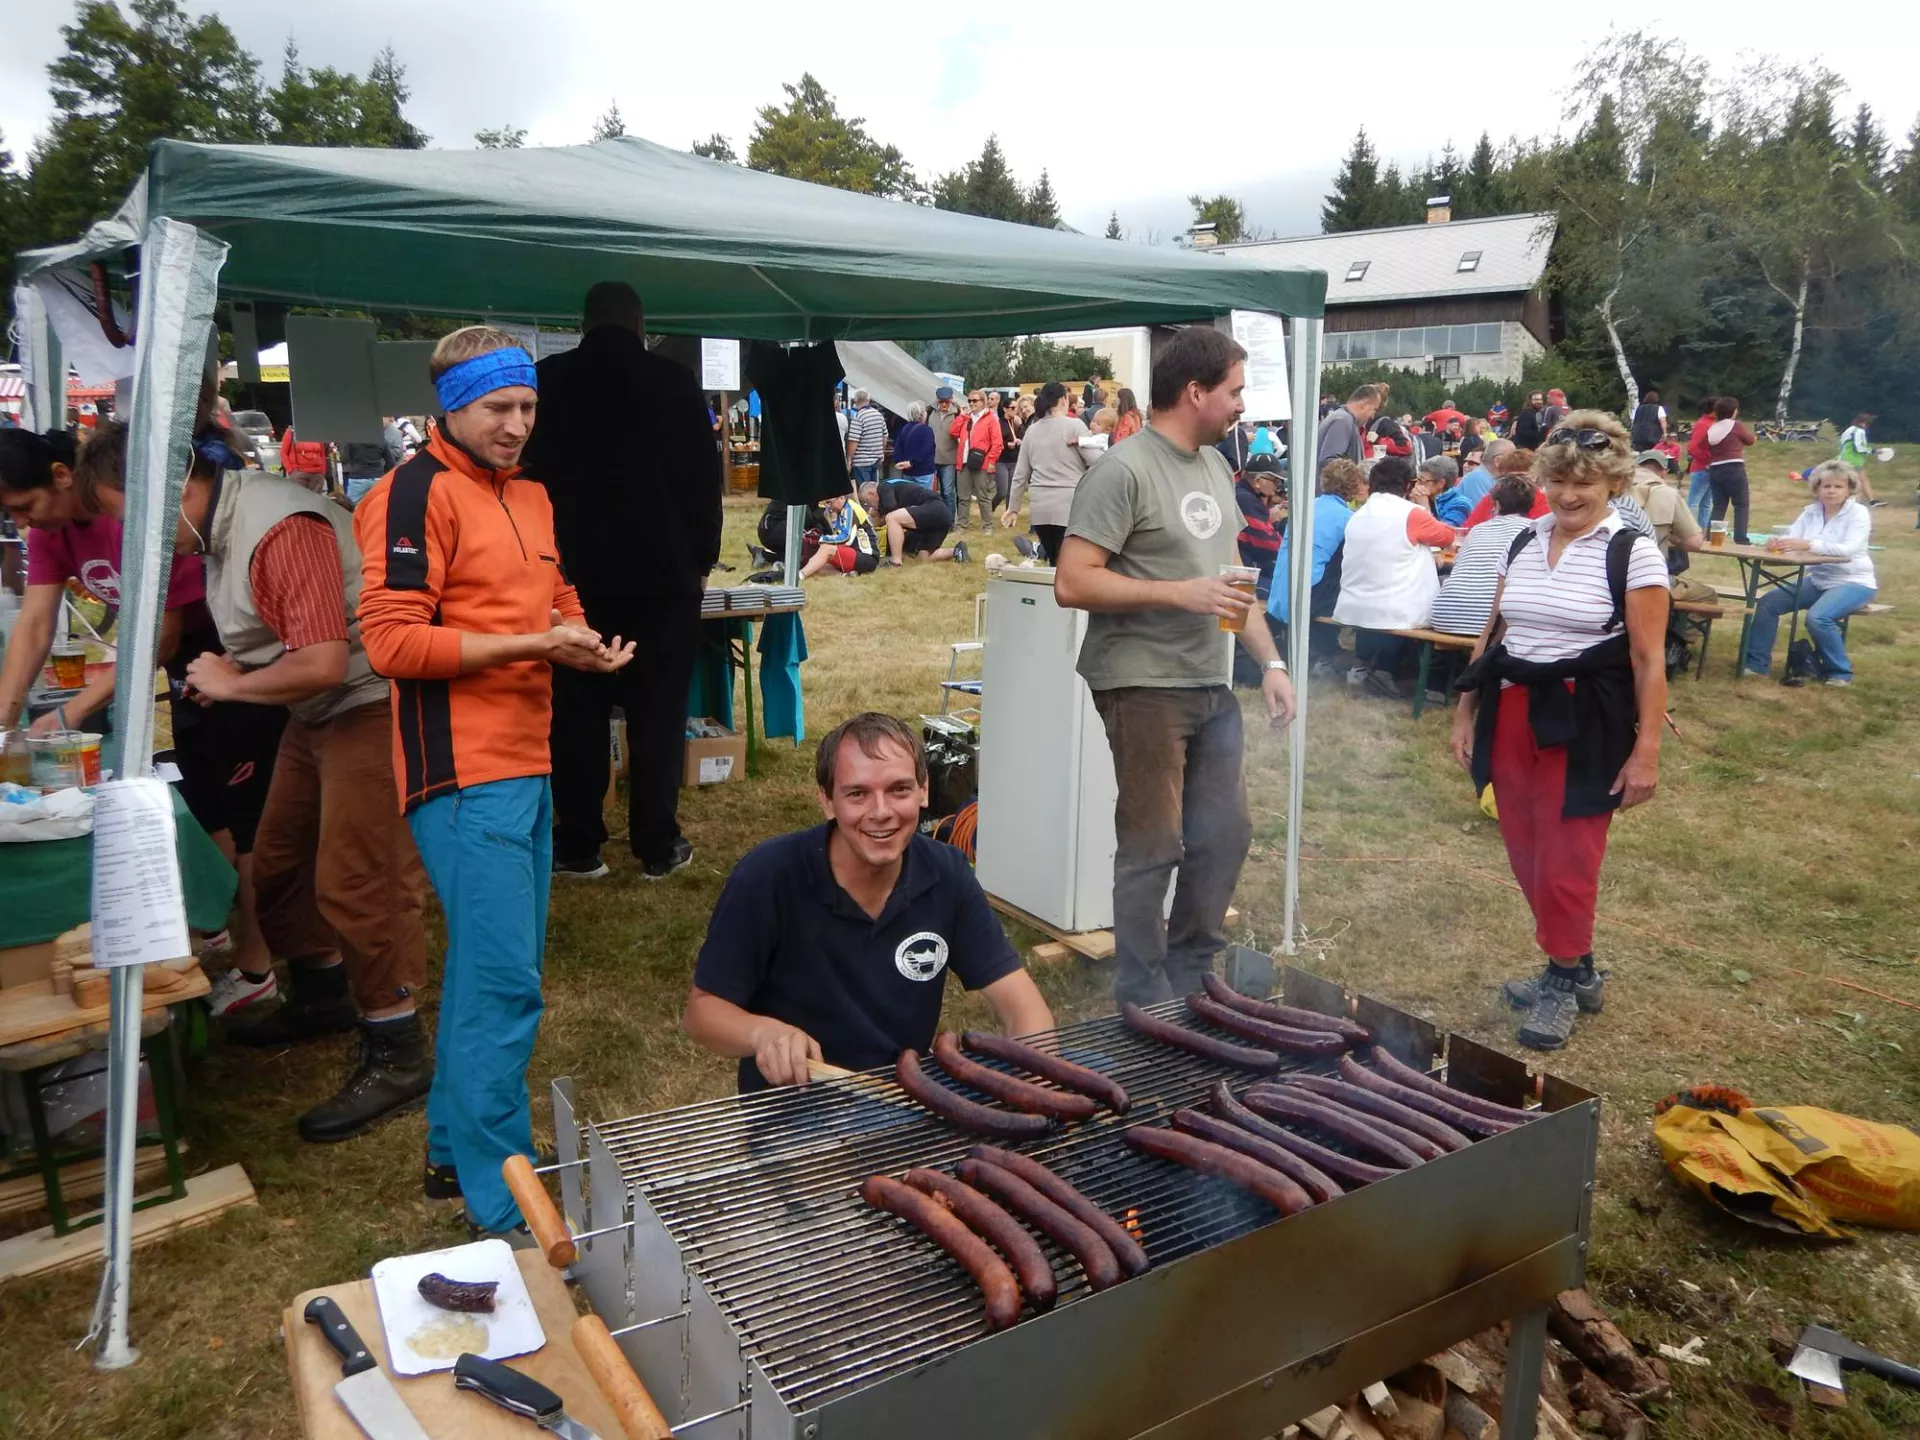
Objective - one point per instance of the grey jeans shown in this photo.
(976, 488)
(1177, 760)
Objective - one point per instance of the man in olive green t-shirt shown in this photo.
(1151, 525)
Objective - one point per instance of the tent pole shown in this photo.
(796, 523)
(1303, 469)
(180, 272)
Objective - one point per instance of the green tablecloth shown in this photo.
(46, 886)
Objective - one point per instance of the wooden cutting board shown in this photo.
(444, 1412)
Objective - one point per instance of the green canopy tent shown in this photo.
(713, 249)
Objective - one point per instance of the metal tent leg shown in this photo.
(1526, 1349)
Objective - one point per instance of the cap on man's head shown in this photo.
(945, 392)
(1652, 457)
(1261, 464)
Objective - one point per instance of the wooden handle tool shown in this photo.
(536, 1207)
(639, 1417)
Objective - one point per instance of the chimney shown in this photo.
(1439, 209)
(1203, 234)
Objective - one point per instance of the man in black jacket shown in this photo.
(625, 448)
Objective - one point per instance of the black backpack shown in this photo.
(1646, 427)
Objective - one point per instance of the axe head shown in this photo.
(1815, 1365)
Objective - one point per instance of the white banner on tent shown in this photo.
(1265, 339)
(720, 364)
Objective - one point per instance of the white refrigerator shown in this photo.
(1045, 837)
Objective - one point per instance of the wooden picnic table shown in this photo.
(1765, 569)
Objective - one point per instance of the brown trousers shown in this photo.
(335, 872)
(1182, 805)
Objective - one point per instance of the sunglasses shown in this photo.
(1581, 439)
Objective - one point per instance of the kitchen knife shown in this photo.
(518, 1393)
(365, 1390)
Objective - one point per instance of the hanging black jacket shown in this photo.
(1597, 720)
(624, 446)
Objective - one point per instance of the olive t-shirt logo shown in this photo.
(1200, 513)
(921, 956)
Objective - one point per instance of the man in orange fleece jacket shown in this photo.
(464, 607)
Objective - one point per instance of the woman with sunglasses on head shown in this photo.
(1561, 708)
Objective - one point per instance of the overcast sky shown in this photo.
(1130, 113)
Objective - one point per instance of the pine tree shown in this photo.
(1903, 180)
(1868, 144)
(1113, 226)
(715, 147)
(809, 139)
(507, 137)
(1353, 202)
(991, 189)
(385, 123)
(1043, 209)
(1443, 179)
(1480, 183)
(609, 126)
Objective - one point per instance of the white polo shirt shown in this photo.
(1555, 613)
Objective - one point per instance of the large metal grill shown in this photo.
(762, 1291)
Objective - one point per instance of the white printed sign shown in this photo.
(720, 364)
(1264, 337)
(139, 908)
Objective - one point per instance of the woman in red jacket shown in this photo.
(1699, 488)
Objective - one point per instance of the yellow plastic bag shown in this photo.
(1791, 1167)
(1487, 807)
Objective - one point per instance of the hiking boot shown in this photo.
(236, 991)
(518, 1237)
(317, 1004)
(681, 857)
(440, 1184)
(392, 1076)
(590, 868)
(1550, 1020)
(1590, 993)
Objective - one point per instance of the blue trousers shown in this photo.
(862, 474)
(488, 849)
(1825, 606)
(1700, 495)
(949, 487)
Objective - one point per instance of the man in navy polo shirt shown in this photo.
(832, 944)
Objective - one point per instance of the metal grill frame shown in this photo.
(1194, 1349)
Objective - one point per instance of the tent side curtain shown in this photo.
(713, 249)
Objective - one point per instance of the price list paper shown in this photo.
(139, 908)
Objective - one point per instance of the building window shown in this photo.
(1468, 262)
(1358, 270)
(1424, 343)
(1447, 367)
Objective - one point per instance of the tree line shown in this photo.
(1717, 231)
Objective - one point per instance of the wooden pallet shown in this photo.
(1088, 944)
(208, 1196)
(80, 1180)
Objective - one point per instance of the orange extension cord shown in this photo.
(1622, 924)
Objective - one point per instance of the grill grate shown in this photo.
(760, 1195)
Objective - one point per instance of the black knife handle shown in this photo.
(507, 1388)
(333, 1323)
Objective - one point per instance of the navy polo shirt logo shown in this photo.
(921, 956)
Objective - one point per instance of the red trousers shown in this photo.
(1556, 860)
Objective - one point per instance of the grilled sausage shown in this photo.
(998, 1229)
(1320, 1187)
(958, 1110)
(1343, 1168)
(1079, 1239)
(1266, 1033)
(1292, 1108)
(1229, 1165)
(1412, 1140)
(943, 1227)
(1356, 1097)
(1221, 1052)
(1445, 1111)
(1021, 1094)
(1404, 1074)
(1279, 1014)
(1119, 1239)
(1048, 1066)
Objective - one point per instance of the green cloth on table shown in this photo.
(46, 886)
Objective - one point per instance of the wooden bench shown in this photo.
(1696, 617)
(1865, 611)
(1428, 642)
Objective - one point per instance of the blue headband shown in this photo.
(483, 374)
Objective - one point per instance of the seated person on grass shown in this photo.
(847, 541)
(917, 521)
(832, 944)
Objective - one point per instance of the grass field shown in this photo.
(1775, 861)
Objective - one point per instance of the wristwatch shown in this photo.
(1279, 665)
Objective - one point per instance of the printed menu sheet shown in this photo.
(139, 908)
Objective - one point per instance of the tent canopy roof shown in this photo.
(713, 249)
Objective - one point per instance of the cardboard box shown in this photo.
(709, 761)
